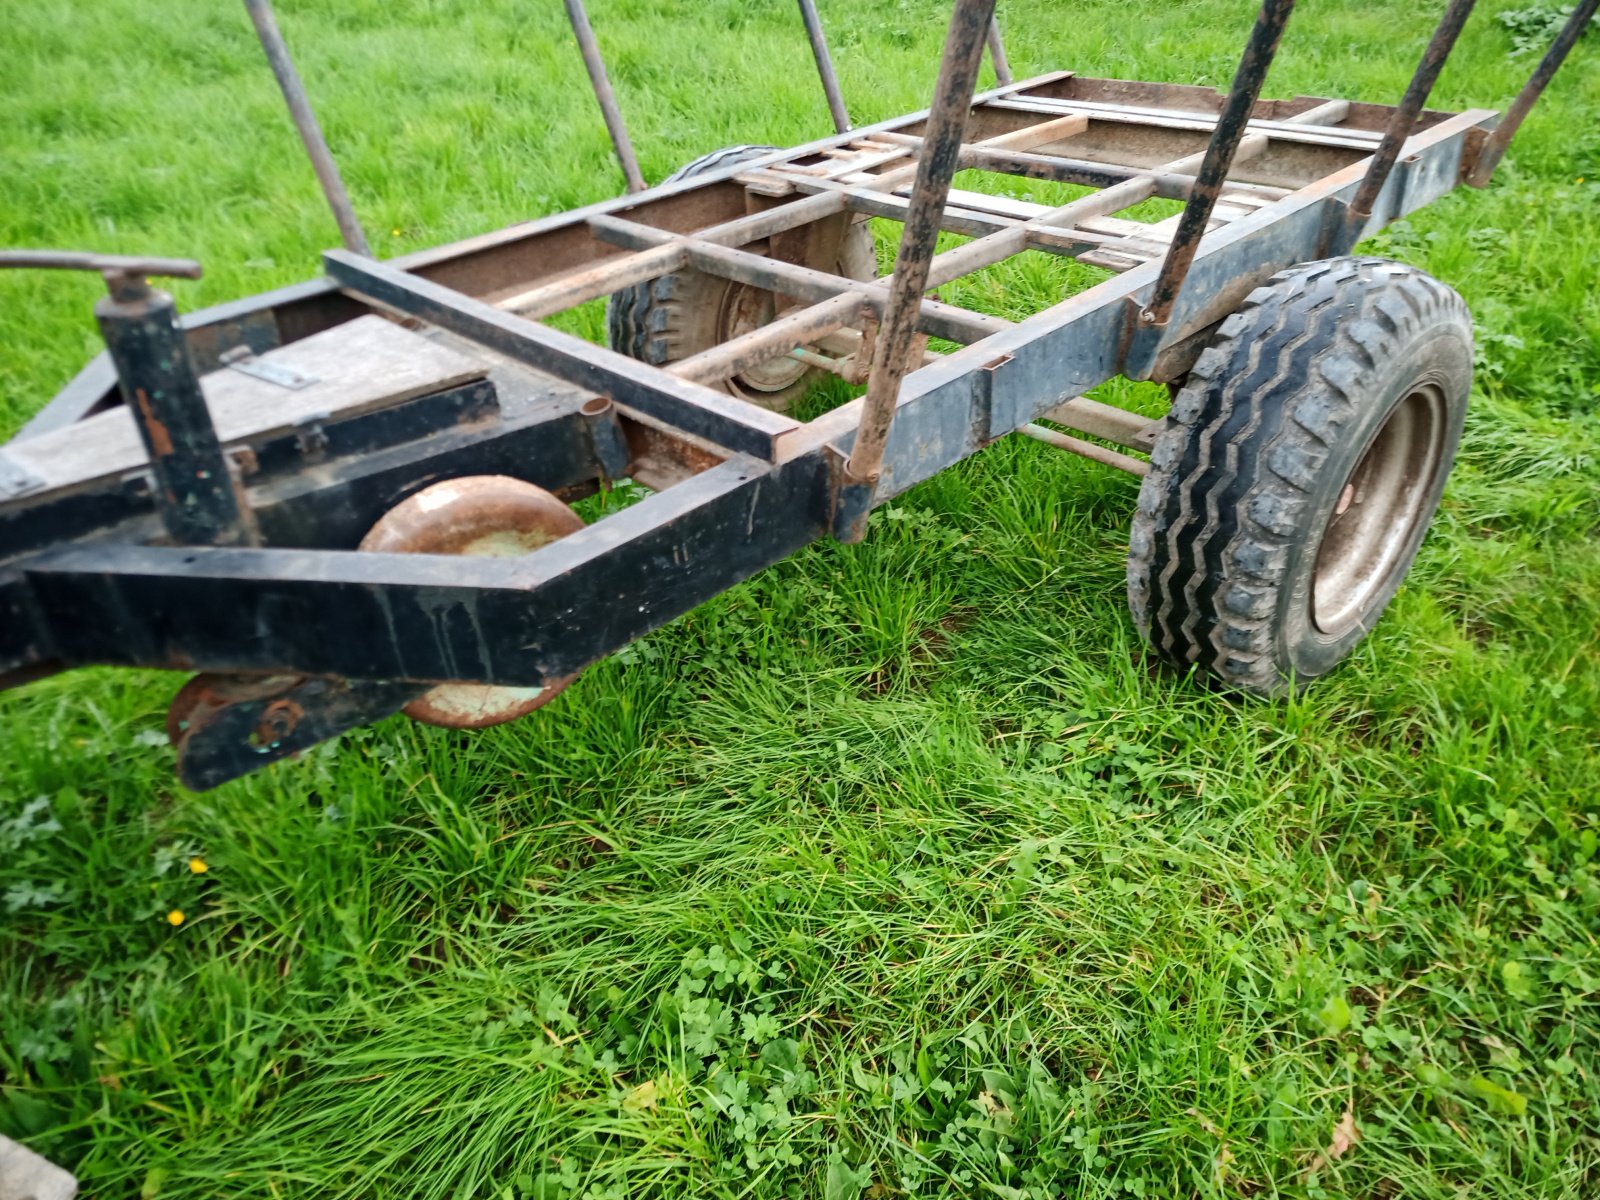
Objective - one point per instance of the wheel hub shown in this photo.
(1378, 509)
(749, 308)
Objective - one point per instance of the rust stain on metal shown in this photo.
(160, 439)
(278, 720)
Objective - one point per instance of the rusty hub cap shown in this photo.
(488, 516)
(1368, 535)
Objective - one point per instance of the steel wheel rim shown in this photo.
(1370, 533)
(745, 309)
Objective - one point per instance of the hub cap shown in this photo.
(1369, 535)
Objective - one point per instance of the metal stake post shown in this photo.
(305, 124)
(1495, 148)
(830, 81)
(997, 54)
(607, 99)
(1230, 129)
(936, 166)
(1405, 116)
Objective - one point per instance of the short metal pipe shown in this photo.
(305, 124)
(1232, 122)
(1405, 115)
(606, 435)
(1495, 148)
(941, 153)
(1099, 454)
(830, 81)
(997, 54)
(603, 94)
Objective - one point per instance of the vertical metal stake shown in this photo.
(305, 124)
(1495, 148)
(997, 54)
(195, 492)
(1405, 115)
(1232, 122)
(830, 81)
(936, 166)
(607, 99)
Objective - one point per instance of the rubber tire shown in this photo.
(671, 318)
(1273, 418)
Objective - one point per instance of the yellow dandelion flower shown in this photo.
(198, 866)
(175, 917)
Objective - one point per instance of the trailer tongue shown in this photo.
(350, 497)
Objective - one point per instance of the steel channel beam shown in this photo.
(986, 251)
(547, 443)
(830, 81)
(425, 618)
(941, 320)
(719, 418)
(1404, 120)
(1495, 148)
(604, 96)
(1232, 123)
(300, 497)
(305, 124)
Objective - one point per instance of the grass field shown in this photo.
(897, 870)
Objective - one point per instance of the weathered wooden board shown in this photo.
(365, 364)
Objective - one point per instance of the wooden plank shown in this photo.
(1290, 130)
(1113, 260)
(365, 364)
(1004, 206)
(1045, 133)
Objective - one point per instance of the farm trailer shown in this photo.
(349, 498)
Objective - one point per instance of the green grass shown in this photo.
(897, 870)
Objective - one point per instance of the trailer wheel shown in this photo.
(1301, 465)
(679, 315)
(490, 516)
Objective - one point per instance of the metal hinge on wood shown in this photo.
(243, 360)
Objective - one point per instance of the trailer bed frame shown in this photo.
(345, 636)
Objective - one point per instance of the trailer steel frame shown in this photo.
(114, 570)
